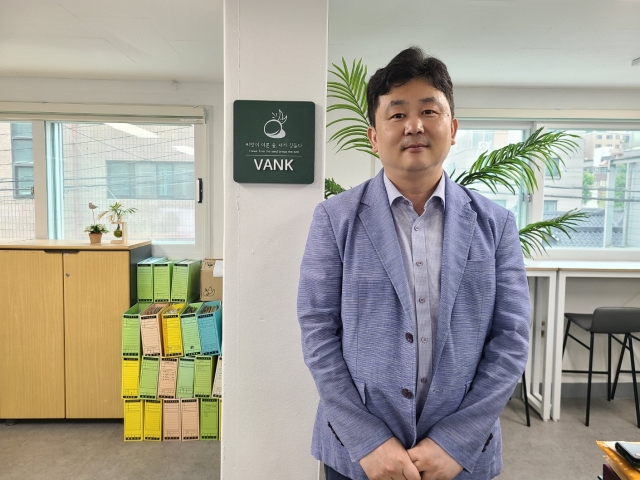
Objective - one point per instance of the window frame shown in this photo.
(40, 115)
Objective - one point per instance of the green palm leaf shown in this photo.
(331, 188)
(513, 166)
(535, 237)
(351, 93)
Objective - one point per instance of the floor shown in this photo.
(563, 450)
(94, 450)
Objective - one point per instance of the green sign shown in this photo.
(273, 142)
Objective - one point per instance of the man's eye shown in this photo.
(429, 112)
(397, 115)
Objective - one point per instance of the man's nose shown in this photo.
(413, 126)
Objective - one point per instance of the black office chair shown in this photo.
(629, 337)
(610, 321)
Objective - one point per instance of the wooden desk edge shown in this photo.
(71, 245)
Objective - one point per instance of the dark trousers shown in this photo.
(331, 474)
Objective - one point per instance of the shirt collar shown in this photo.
(393, 193)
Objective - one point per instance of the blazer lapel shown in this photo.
(459, 223)
(379, 225)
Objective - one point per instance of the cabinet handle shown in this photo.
(67, 274)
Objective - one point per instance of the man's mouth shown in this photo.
(414, 146)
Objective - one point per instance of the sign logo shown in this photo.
(273, 128)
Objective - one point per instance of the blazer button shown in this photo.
(407, 394)
(409, 337)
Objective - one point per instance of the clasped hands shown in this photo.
(426, 461)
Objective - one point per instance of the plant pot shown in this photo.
(95, 237)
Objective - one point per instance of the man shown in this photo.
(413, 300)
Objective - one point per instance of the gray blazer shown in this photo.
(354, 309)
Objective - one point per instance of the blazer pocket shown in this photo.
(360, 385)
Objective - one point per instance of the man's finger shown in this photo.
(410, 472)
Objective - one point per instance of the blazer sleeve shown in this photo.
(464, 433)
(319, 300)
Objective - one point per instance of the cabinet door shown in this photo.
(96, 293)
(31, 335)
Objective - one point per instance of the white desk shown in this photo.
(575, 269)
(551, 347)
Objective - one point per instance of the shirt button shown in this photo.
(421, 300)
(409, 337)
(423, 380)
(419, 263)
(407, 394)
(416, 228)
(424, 339)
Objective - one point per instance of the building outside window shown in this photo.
(17, 220)
(603, 182)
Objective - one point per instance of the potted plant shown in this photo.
(115, 214)
(511, 167)
(95, 230)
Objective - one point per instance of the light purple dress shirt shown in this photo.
(420, 239)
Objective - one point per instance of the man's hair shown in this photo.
(407, 65)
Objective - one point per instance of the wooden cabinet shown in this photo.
(60, 327)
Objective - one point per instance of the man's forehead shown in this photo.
(425, 91)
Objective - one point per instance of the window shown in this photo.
(550, 205)
(17, 206)
(22, 159)
(609, 193)
(168, 180)
(150, 167)
(150, 163)
(598, 145)
(609, 137)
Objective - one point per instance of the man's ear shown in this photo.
(371, 133)
(454, 130)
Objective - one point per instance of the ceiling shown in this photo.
(560, 43)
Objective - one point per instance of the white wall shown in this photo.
(210, 95)
(273, 51)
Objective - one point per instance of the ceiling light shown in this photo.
(635, 62)
(133, 130)
(187, 150)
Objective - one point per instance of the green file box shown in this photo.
(209, 419)
(190, 333)
(184, 387)
(185, 285)
(149, 377)
(162, 275)
(144, 274)
(203, 376)
(131, 330)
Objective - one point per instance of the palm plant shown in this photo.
(513, 166)
(115, 214)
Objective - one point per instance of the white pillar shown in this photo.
(274, 50)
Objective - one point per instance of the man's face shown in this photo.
(414, 129)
